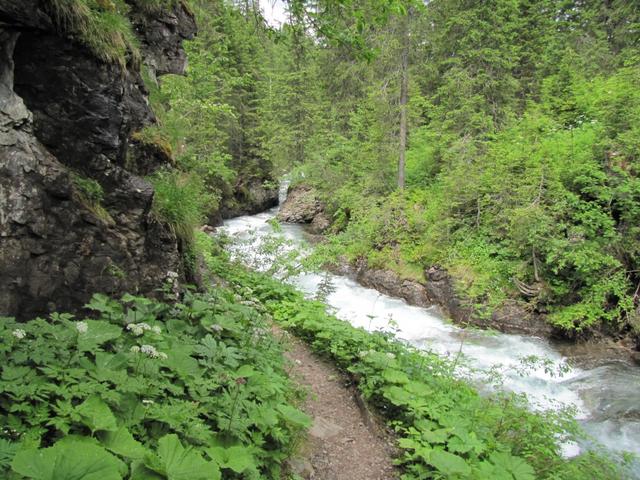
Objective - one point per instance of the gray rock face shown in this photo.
(161, 35)
(438, 289)
(62, 111)
(250, 197)
(303, 206)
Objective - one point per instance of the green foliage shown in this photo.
(194, 390)
(90, 193)
(522, 166)
(102, 25)
(91, 190)
(71, 458)
(182, 201)
(445, 428)
(210, 117)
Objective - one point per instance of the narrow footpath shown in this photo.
(345, 442)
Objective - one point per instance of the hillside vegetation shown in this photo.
(521, 159)
(522, 164)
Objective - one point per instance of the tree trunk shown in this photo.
(404, 96)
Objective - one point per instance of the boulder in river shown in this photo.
(250, 196)
(304, 206)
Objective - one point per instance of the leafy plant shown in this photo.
(146, 390)
(445, 428)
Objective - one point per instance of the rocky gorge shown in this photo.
(75, 211)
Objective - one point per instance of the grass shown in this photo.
(90, 193)
(154, 135)
(181, 200)
(102, 25)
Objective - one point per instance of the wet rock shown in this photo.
(438, 289)
(390, 283)
(301, 206)
(251, 196)
(320, 223)
(518, 317)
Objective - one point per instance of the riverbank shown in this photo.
(590, 390)
(443, 424)
(439, 288)
(513, 318)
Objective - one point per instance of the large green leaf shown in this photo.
(69, 460)
(448, 463)
(179, 463)
(392, 375)
(7, 452)
(237, 458)
(122, 443)
(294, 416)
(96, 414)
(516, 466)
(98, 332)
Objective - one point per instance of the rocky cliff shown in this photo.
(75, 212)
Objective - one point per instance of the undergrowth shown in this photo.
(145, 390)
(91, 194)
(182, 201)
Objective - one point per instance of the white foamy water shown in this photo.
(606, 399)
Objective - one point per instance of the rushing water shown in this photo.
(606, 398)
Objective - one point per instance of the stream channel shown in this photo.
(606, 398)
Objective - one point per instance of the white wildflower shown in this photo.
(144, 326)
(147, 401)
(390, 355)
(216, 328)
(19, 333)
(82, 327)
(172, 274)
(136, 329)
(151, 351)
(157, 329)
(135, 349)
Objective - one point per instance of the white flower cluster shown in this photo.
(150, 351)
(19, 333)
(82, 327)
(139, 328)
(172, 275)
(250, 303)
(216, 328)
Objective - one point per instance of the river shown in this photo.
(606, 398)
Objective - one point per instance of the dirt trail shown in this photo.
(344, 443)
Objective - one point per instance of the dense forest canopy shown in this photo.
(518, 121)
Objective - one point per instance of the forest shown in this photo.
(497, 141)
(516, 122)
